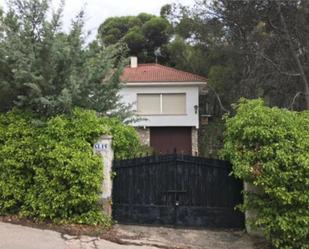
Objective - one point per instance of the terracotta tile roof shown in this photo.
(158, 73)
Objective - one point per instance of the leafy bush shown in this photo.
(125, 138)
(17, 158)
(268, 148)
(48, 169)
(126, 142)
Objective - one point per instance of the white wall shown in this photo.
(129, 96)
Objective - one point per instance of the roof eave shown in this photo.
(165, 83)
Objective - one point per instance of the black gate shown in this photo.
(176, 190)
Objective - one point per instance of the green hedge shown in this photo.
(269, 148)
(126, 141)
(48, 169)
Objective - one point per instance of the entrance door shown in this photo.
(166, 140)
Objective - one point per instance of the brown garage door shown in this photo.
(165, 140)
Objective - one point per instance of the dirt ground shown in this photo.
(131, 236)
(189, 238)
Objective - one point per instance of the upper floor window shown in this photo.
(161, 103)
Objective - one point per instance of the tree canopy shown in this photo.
(48, 71)
(253, 48)
(143, 34)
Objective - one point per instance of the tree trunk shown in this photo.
(297, 60)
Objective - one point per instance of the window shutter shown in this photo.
(148, 103)
(174, 103)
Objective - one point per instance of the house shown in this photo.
(167, 100)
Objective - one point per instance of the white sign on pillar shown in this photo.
(104, 148)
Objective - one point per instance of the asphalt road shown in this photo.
(21, 237)
(131, 237)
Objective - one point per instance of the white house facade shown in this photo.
(167, 101)
(162, 109)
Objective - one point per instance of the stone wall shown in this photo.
(194, 141)
(144, 134)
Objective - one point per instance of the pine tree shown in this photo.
(48, 71)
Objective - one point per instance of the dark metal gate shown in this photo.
(176, 190)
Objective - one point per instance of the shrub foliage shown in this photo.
(269, 148)
(126, 142)
(48, 169)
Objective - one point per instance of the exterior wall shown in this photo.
(128, 95)
(195, 151)
(144, 135)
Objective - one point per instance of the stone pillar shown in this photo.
(194, 139)
(104, 148)
(251, 214)
(144, 135)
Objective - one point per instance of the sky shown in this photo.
(98, 10)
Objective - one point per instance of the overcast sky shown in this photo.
(98, 10)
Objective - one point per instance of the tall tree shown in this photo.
(252, 48)
(47, 71)
(200, 47)
(143, 34)
(271, 37)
